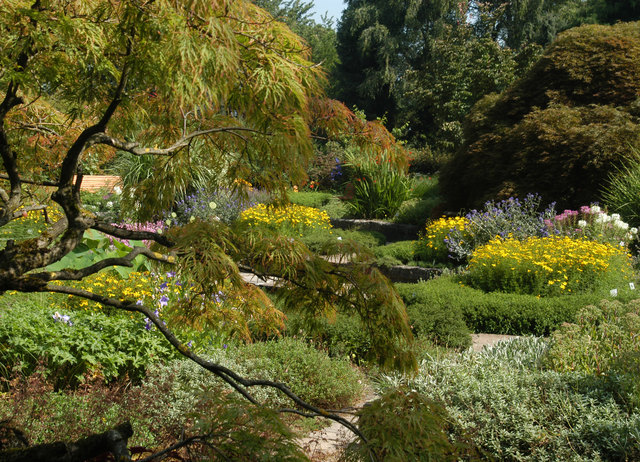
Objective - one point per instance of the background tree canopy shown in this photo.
(423, 64)
(560, 130)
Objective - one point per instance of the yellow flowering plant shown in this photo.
(137, 286)
(291, 219)
(432, 244)
(546, 265)
(31, 223)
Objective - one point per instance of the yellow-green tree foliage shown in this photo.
(559, 130)
(216, 84)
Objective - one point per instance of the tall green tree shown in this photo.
(378, 41)
(519, 22)
(219, 84)
(610, 11)
(321, 37)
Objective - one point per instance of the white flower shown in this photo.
(173, 214)
(117, 190)
(339, 238)
(620, 224)
(615, 216)
(109, 204)
(595, 209)
(212, 205)
(633, 230)
(582, 224)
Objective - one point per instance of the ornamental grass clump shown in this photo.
(513, 217)
(546, 266)
(432, 244)
(380, 184)
(291, 219)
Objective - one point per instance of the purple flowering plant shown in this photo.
(509, 218)
(220, 204)
(168, 294)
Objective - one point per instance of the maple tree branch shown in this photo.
(78, 275)
(136, 149)
(237, 382)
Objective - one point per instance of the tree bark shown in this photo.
(113, 441)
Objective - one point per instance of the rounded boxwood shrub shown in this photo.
(560, 130)
(496, 312)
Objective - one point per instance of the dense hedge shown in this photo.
(455, 305)
(560, 130)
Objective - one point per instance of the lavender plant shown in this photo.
(220, 204)
(508, 218)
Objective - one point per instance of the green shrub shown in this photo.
(315, 239)
(417, 211)
(343, 337)
(513, 411)
(75, 345)
(442, 327)
(336, 208)
(425, 187)
(426, 161)
(400, 252)
(314, 199)
(603, 342)
(560, 130)
(174, 400)
(311, 374)
(403, 425)
(500, 313)
(104, 204)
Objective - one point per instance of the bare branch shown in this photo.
(237, 382)
(124, 233)
(33, 182)
(77, 275)
(134, 148)
(70, 162)
(181, 444)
